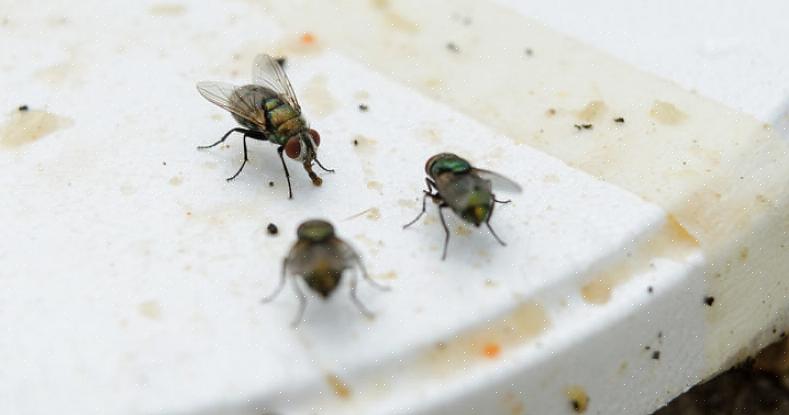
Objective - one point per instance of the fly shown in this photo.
(267, 110)
(454, 183)
(320, 258)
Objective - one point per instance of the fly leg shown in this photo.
(366, 276)
(356, 301)
(501, 201)
(246, 159)
(487, 223)
(224, 137)
(281, 284)
(446, 228)
(302, 303)
(427, 193)
(280, 149)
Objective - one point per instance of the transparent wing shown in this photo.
(225, 96)
(499, 182)
(266, 71)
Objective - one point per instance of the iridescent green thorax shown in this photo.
(446, 162)
(315, 230)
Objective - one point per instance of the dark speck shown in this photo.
(453, 47)
(23, 108)
(656, 355)
(270, 184)
(529, 52)
(272, 229)
(164, 163)
(650, 289)
(282, 61)
(619, 120)
(709, 300)
(363, 107)
(647, 347)
(355, 142)
(580, 127)
(660, 335)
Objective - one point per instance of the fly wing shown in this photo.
(499, 182)
(226, 96)
(266, 71)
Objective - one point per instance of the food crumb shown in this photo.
(308, 38)
(656, 355)
(23, 108)
(580, 127)
(619, 120)
(363, 107)
(709, 300)
(453, 47)
(551, 112)
(491, 350)
(578, 399)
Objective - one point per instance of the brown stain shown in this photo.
(338, 386)
(524, 323)
(462, 230)
(406, 203)
(579, 400)
(176, 180)
(744, 254)
(432, 136)
(592, 111)
(317, 97)
(666, 113)
(394, 19)
(389, 275)
(672, 241)
(375, 185)
(167, 9)
(58, 73)
(25, 127)
(150, 309)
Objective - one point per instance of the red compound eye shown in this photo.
(315, 137)
(293, 148)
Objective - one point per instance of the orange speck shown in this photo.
(491, 350)
(308, 38)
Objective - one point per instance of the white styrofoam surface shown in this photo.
(132, 272)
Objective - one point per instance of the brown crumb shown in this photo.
(580, 127)
(709, 300)
(272, 229)
(23, 108)
(619, 120)
(656, 355)
(363, 107)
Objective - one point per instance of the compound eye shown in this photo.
(293, 148)
(315, 137)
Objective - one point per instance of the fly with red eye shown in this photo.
(268, 110)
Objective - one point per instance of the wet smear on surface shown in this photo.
(25, 127)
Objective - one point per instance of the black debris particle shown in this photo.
(272, 229)
(164, 163)
(452, 47)
(270, 184)
(363, 107)
(620, 120)
(282, 61)
(580, 127)
(656, 355)
(709, 300)
(650, 289)
(529, 52)
(659, 335)
(355, 142)
(647, 347)
(23, 108)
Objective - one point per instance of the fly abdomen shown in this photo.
(323, 280)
